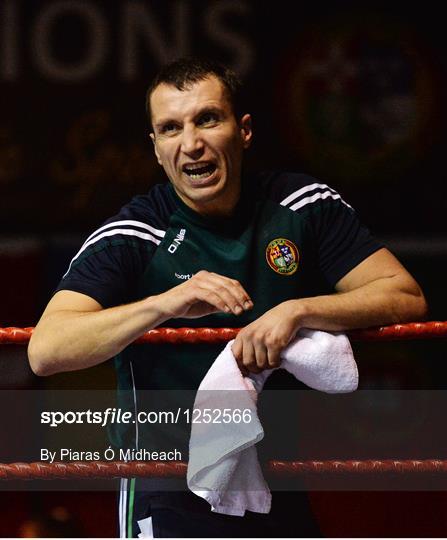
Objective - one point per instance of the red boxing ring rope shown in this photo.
(121, 469)
(395, 332)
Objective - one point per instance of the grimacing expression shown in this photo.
(199, 143)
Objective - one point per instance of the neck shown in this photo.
(222, 207)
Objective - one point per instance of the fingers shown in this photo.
(237, 351)
(226, 294)
(246, 358)
(257, 360)
(273, 357)
(230, 290)
(255, 352)
(250, 361)
(214, 299)
(258, 346)
(253, 356)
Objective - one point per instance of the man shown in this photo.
(272, 253)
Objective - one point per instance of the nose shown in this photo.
(192, 143)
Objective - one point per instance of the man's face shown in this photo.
(199, 143)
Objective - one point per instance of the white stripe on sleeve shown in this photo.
(132, 222)
(315, 197)
(113, 232)
(302, 191)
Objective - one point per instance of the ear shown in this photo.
(246, 131)
(157, 155)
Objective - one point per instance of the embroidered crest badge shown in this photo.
(282, 256)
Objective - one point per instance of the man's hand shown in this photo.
(258, 345)
(206, 293)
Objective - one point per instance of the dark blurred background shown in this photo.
(350, 92)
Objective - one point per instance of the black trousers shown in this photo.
(181, 514)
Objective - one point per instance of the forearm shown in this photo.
(67, 340)
(383, 301)
(75, 332)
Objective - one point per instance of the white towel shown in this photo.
(223, 463)
(146, 528)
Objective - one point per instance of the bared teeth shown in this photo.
(199, 171)
(193, 166)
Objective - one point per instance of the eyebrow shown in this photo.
(207, 110)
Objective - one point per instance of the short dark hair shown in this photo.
(186, 71)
